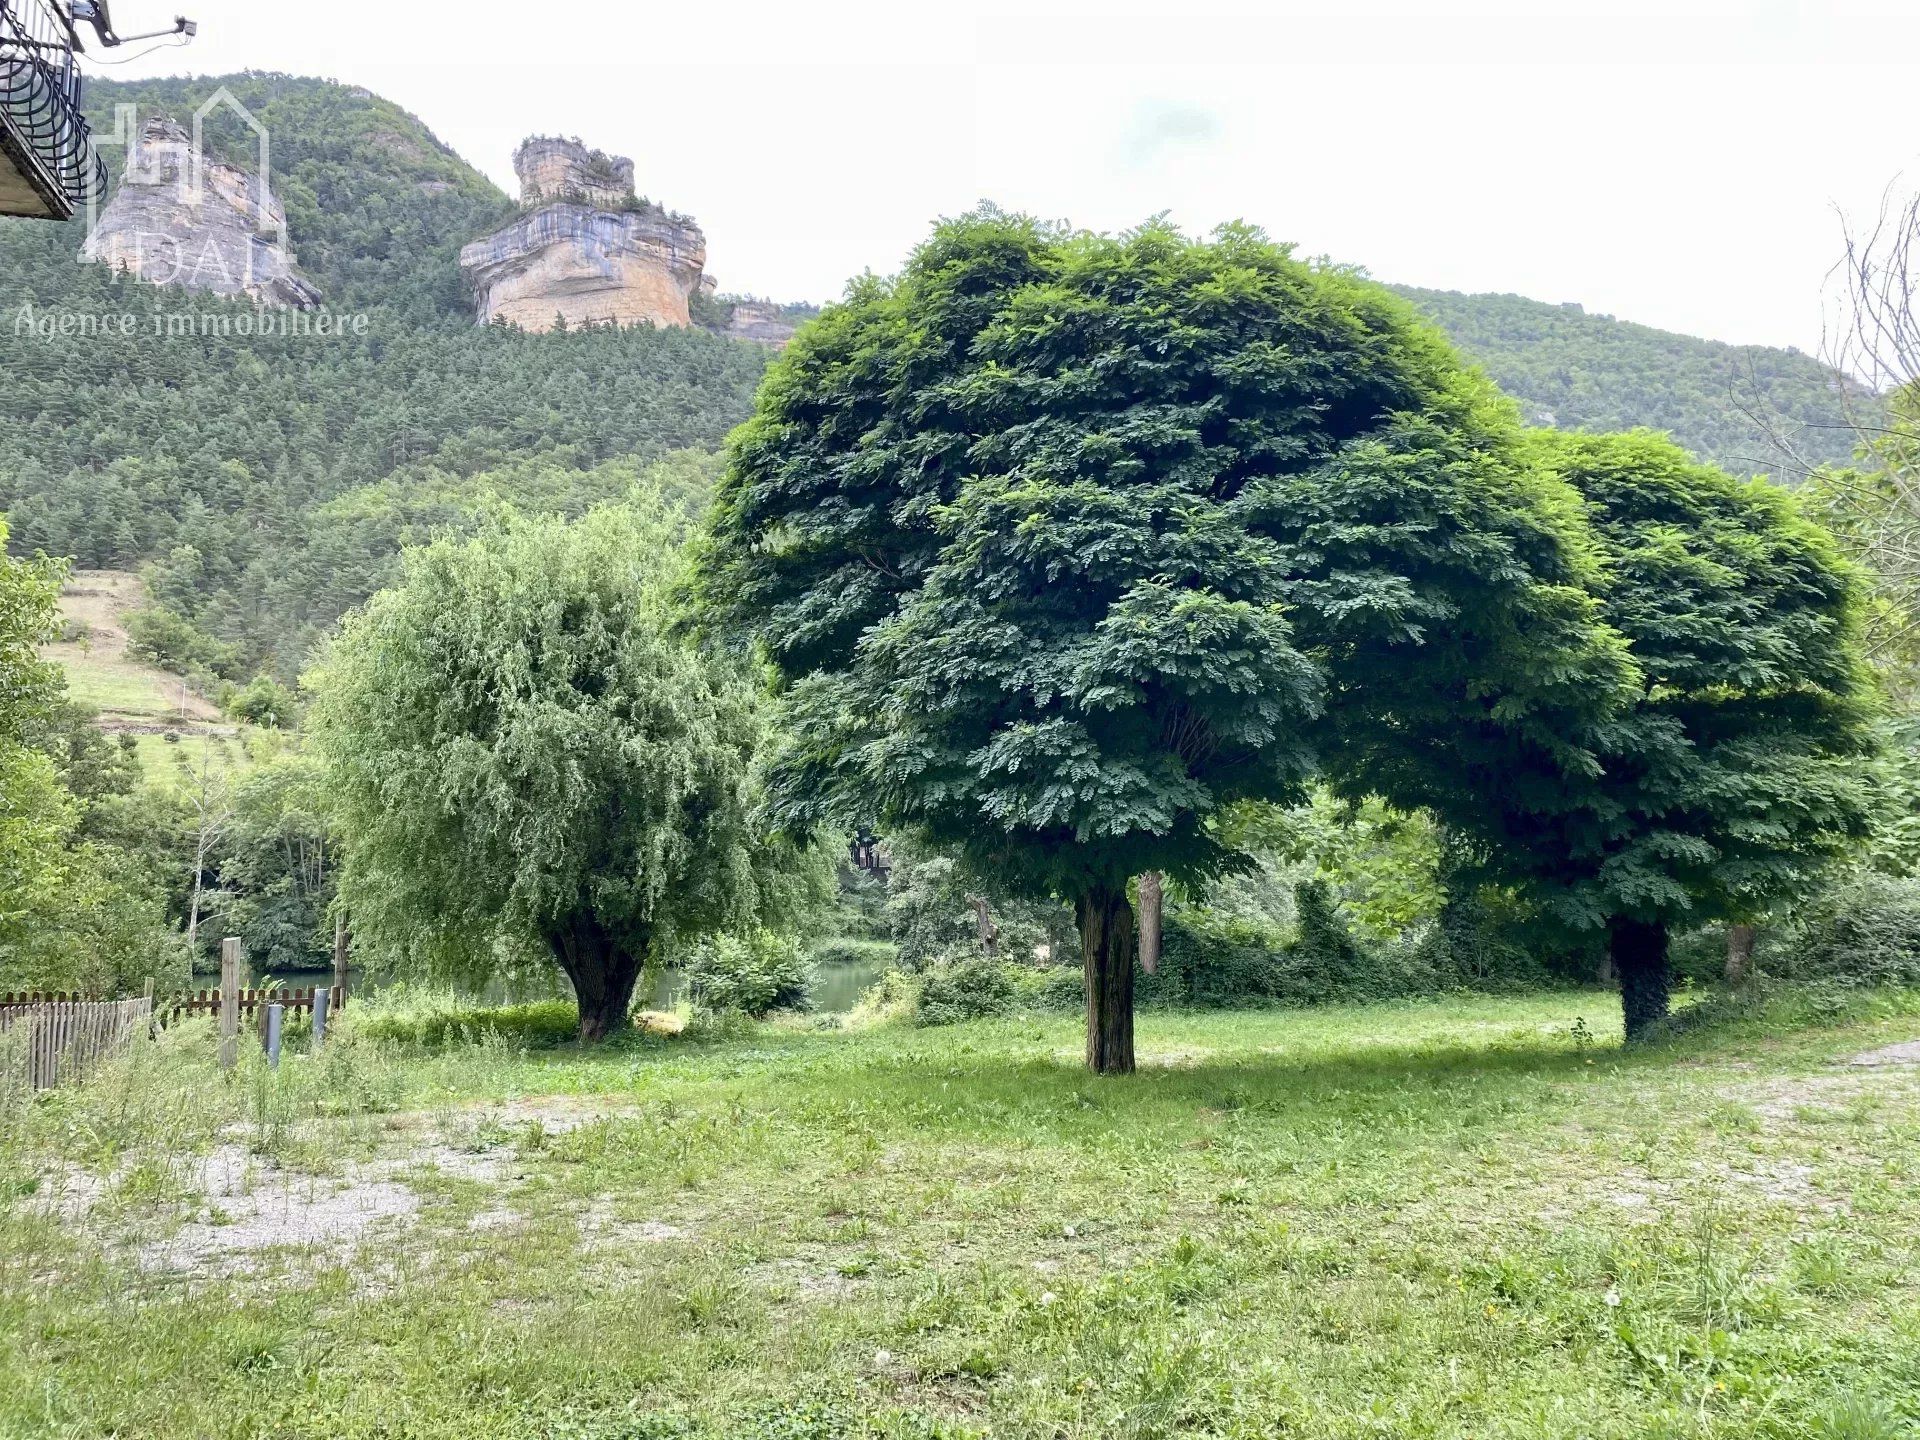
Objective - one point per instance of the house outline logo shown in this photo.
(126, 135)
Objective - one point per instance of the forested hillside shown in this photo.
(1592, 372)
(264, 481)
(216, 460)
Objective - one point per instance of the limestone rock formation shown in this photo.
(585, 250)
(761, 322)
(553, 169)
(198, 223)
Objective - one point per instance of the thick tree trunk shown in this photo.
(603, 972)
(1638, 949)
(1152, 894)
(1106, 956)
(1739, 953)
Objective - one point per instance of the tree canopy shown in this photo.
(526, 761)
(1731, 776)
(1064, 542)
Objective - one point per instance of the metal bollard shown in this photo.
(321, 999)
(275, 1014)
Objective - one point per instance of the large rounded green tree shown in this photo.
(524, 755)
(1732, 776)
(1062, 543)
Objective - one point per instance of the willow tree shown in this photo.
(524, 755)
(1063, 543)
(1734, 773)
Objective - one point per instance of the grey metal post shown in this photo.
(321, 999)
(275, 1013)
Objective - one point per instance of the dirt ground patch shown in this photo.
(241, 1208)
(1907, 1052)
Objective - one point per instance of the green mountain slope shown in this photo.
(1592, 372)
(263, 482)
(208, 456)
(377, 205)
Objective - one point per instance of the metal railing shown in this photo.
(40, 95)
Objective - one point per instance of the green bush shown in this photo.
(852, 950)
(435, 1023)
(1486, 941)
(1058, 987)
(173, 643)
(1213, 960)
(263, 701)
(1861, 932)
(752, 974)
(966, 990)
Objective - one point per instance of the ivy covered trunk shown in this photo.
(1638, 949)
(603, 971)
(1106, 954)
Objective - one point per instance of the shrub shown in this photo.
(436, 1021)
(1862, 931)
(852, 950)
(965, 990)
(1058, 987)
(1210, 961)
(1484, 940)
(172, 642)
(1325, 957)
(753, 974)
(264, 701)
(895, 996)
(1214, 961)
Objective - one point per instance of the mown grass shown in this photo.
(1471, 1218)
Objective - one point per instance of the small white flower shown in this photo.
(1071, 1232)
(1048, 1297)
(1612, 1298)
(883, 1357)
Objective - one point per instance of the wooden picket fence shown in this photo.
(47, 1038)
(253, 1002)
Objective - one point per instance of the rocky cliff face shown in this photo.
(586, 252)
(207, 226)
(760, 322)
(553, 169)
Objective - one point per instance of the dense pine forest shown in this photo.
(266, 483)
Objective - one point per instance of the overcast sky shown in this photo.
(1680, 169)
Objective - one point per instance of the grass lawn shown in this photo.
(1471, 1218)
(101, 674)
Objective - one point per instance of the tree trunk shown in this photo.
(1638, 949)
(1106, 956)
(1739, 953)
(202, 844)
(1152, 894)
(984, 923)
(603, 972)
